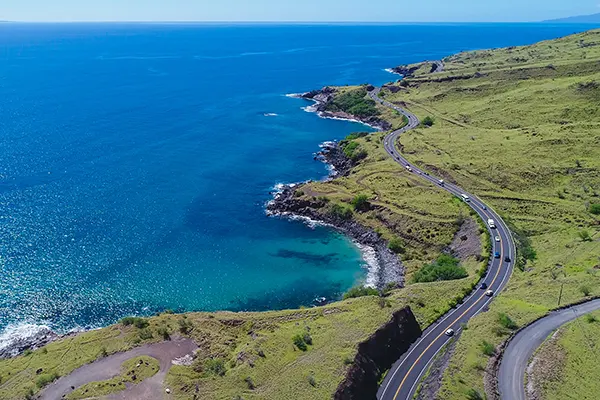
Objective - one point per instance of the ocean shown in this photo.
(136, 161)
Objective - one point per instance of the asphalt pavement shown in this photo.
(403, 378)
(511, 377)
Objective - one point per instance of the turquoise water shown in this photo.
(136, 161)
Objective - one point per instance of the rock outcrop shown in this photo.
(377, 354)
(325, 96)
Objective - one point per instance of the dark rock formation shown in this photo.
(331, 153)
(377, 354)
(405, 70)
(18, 344)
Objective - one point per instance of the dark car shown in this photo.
(507, 259)
(497, 254)
(484, 286)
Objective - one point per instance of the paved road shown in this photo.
(404, 376)
(109, 367)
(511, 377)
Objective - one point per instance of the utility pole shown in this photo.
(560, 295)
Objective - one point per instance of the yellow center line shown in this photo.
(440, 335)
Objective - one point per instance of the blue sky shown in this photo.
(294, 10)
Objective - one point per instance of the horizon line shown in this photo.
(289, 22)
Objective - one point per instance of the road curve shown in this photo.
(403, 378)
(110, 366)
(511, 377)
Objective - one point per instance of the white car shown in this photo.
(450, 332)
(489, 293)
(497, 238)
(441, 182)
(408, 168)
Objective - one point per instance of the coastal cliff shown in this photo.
(377, 354)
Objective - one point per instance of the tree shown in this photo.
(361, 202)
(428, 121)
(595, 208)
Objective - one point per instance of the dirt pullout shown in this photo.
(110, 367)
(467, 241)
(546, 365)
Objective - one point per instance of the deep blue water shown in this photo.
(135, 161)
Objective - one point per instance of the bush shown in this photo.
(164, 332)
(360, 291)
(585, 236)
(585, 290)
(250, 383)
(307, 338)
(356, 135)
(185, 326)
(354, 102)
(45, 379)
(396, 245)
(340, 211)
(590, 318)
(299, 342)
(473, 394)
(595, 208)
(428, 121)
(311, 380)
(139, 323)
(215, 366)
(145, 334)
(445, 268)
(506, 321)
(487, 348)
(361, 202)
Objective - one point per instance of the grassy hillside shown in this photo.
(565, 365)
(520, 127)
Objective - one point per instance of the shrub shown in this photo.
(595, 208)
(360, 291)
(164, 332)
(139, 323)
(185, 326)
(487, 348)
(307, 338)
(428, 121)
(445, 268)
(45, 379)
(356, 135)
(311, 381)
(145, 334)
(396, 245)
(585, 290)
(215, 366)
(590, 318)
(250, 383)
(354, 102)
(361, 202)
(299, 342)
(473, 394)
(506, 321)
(103, 352)
(585, 236)
(340, 211)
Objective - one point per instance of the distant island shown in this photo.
(581, 19)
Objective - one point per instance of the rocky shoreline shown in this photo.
(18, 340)
(384, 267)
(323, 97)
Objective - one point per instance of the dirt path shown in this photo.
(110, 367)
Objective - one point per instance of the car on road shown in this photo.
(497, 254)
(450, 332)
(484, 207)
(484, 286)
(489, 293)
(507, 259)
(441, 181)
(408, 168)
(497, 238)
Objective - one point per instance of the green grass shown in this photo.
(445, 268)
(133, 371)
(574, 377)
(355, 102)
